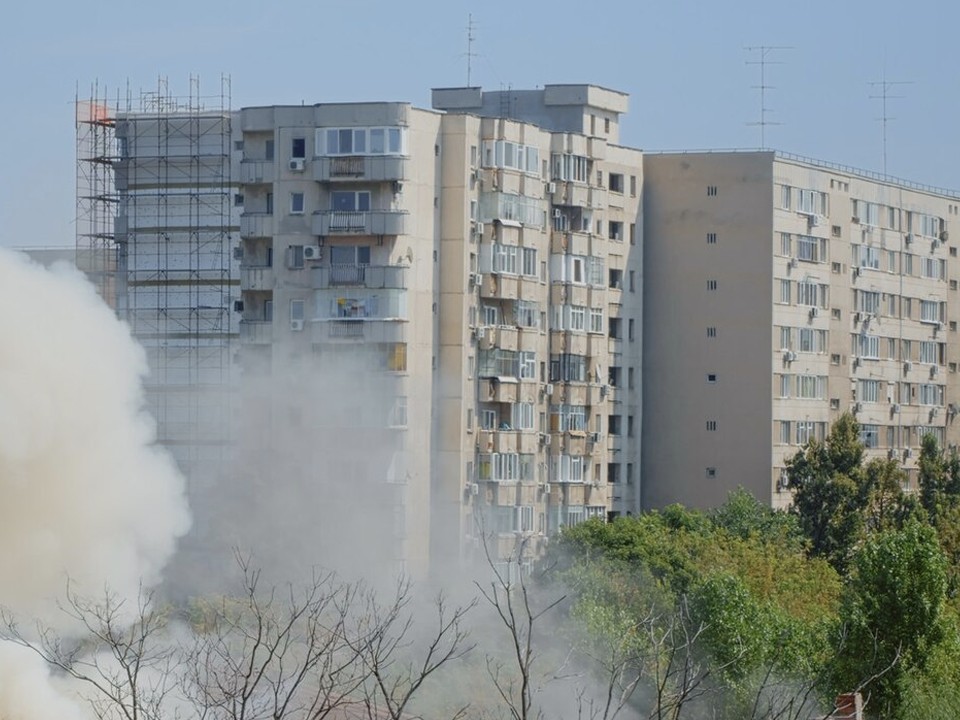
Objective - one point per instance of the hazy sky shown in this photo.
(682, 62)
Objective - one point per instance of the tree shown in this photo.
(892, 612)
(828, 497)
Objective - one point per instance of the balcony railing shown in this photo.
(256, 332)
(256, 225)
(391, 277)
(256, 171)
(368, 330)
(376, 168)
(256, 277)
(372, 222)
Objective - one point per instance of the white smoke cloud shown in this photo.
(84, 492)
(27, 692)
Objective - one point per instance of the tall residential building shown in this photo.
(781, 292)
(441, 319)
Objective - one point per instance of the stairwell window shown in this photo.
(296, 203)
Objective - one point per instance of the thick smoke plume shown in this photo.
(84, 493)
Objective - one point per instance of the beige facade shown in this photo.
(781, 292)
(441, 319)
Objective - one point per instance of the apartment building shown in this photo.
(440, 319)
(781, 292)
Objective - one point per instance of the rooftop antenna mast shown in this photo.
(762, 53)
(470, 53)
(884, 86)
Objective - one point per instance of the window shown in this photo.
(868, 391)
(930, 311)
(711, 238)
(296, 203)
(269, 204)
(528, 365)
(711, 472)
(489, 419)
(361, 141)
(811, 249)
(932, 268)
(785, 197)
(633, 186)
(786, 338)
(711, 425)
(931, 394)
(613, 425)
(866, 256)
(616, 183)
(525, 210)
(397, 357)
(350, 201)
(596, 271)
(268, 150)
(296, 309)
(596, 320)
(785, 292)
(867, 301)
(811, 293)
(867, 346)
(615, 230)
(923, 224)
(527, 314)
(785, 435)
(711, 190)
(505, 467)
(783, 385)
(572, 168)
(511, 155)
(356, 255)
(811, 387)
(570, 468)
(810, 340)
(811, 202)
(870, 435)
(785, 244)
(568, 368)
(633, 233)
(295, 257)
(298, 148)
(522, 416)
(616, 278)
(711, 284)
(529, 257)
(866, 213)
(929, 352)
(630, 333)
(711, 332)
(568, 418)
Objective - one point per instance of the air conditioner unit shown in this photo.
(934, 245)
(857, 407)
(474, 488)
(907, 366)
(938, 327)
(296, 325)
(951, 409)
(908, 453)
(857, 317)
(480, 228)
(934, 371)
(544, 438)
(551, 188)
(814, 312)
(312, 252)
(815, 220)
(557, 213)
(792, 263)
(238, 305)
(892, 453)
(934, 412)
(298, 164)
(476, 278)
(548, 389)
(789, 356)
(908, 238)
(856, 271)
(855, 219)
(594, 437)
(604, 389)
(944, 236)
(895, 408)
(238, 252)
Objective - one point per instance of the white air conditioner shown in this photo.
(857, 407)
(892, 453)
(934, 245)
(298, 164)
(551, 188)
(895, 408)
(480, 228)
(908, 453)
(815, 220)
(604, 389)
(856, 271)
(908, 238)
(934, 371)
(951, 408)
(477, 279)
(474, 488)
(594, 437)
(296, 325)
(814, 312)
(792, 263)
(907, 366)
(548, 389)
(789, 356)
(857, 317)
(944, 236)
(934, 412)
(312, 252)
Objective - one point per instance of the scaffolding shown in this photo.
(155, 229)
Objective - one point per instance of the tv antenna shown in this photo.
(885, 87)
(762, 54)
(470, 38)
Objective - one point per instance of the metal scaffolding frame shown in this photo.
(155, 227)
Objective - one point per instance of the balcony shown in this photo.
(256, 277)
(508, 441)
(256, 172)
(374, 277)
(497, 390)
(256, 332)
(256, 225)
(358, 330)
(372, 168)
(372, 222)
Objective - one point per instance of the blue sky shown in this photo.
(683, 63)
